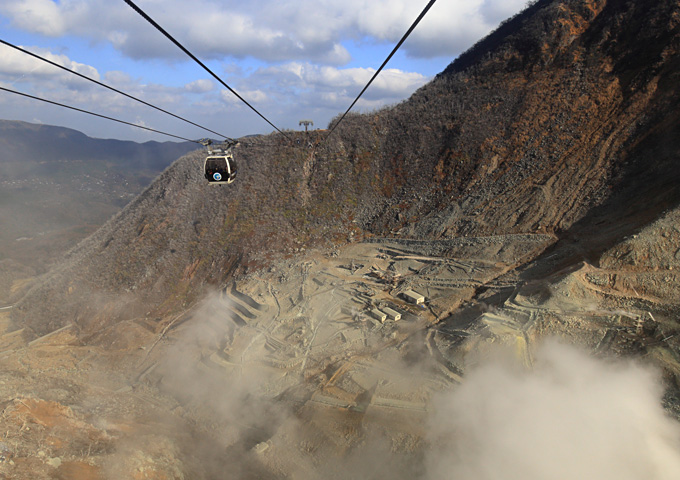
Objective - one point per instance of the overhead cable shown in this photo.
(193, 57)
(97, 114)
(110, 88)
(403, 39)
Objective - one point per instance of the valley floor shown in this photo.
(314, 362)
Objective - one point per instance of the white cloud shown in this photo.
(393, 83)
(571, 417)
(140, 122)
(336, 87)
(14, 62)
(495, 11)
(40, 16)
(251, 96)
(117, 77)
(271, 30)
(200, 86)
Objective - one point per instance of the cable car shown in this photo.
(220, 166)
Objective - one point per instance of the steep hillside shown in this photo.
(569, 109)
(565, 104)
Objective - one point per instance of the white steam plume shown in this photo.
(571, 417)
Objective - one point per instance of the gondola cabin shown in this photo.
(220, 168)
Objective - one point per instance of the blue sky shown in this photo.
(290, 59)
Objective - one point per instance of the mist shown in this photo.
(570, 417)
(228, 411)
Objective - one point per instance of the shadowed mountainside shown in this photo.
(563, 120)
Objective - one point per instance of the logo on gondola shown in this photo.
(217, 176)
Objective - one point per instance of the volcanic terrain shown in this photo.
(529, 195)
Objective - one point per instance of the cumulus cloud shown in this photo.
(117, 77)
(394, 83)
(495, 11)
(251, 96)
(571, 417)
(337, 87)
(40, 16)
(14, 62)
(270, 30)
(199, 86)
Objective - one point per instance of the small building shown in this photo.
(392, 314)
(413, 297)
(378, 315)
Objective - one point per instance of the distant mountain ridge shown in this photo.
(25, 142)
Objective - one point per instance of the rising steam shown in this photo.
(571, 417)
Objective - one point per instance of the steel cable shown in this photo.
(403, 39)
(34, 55)
(195, 59)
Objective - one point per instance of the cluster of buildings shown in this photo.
(384, 313)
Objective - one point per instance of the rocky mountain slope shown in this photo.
(567, 108)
